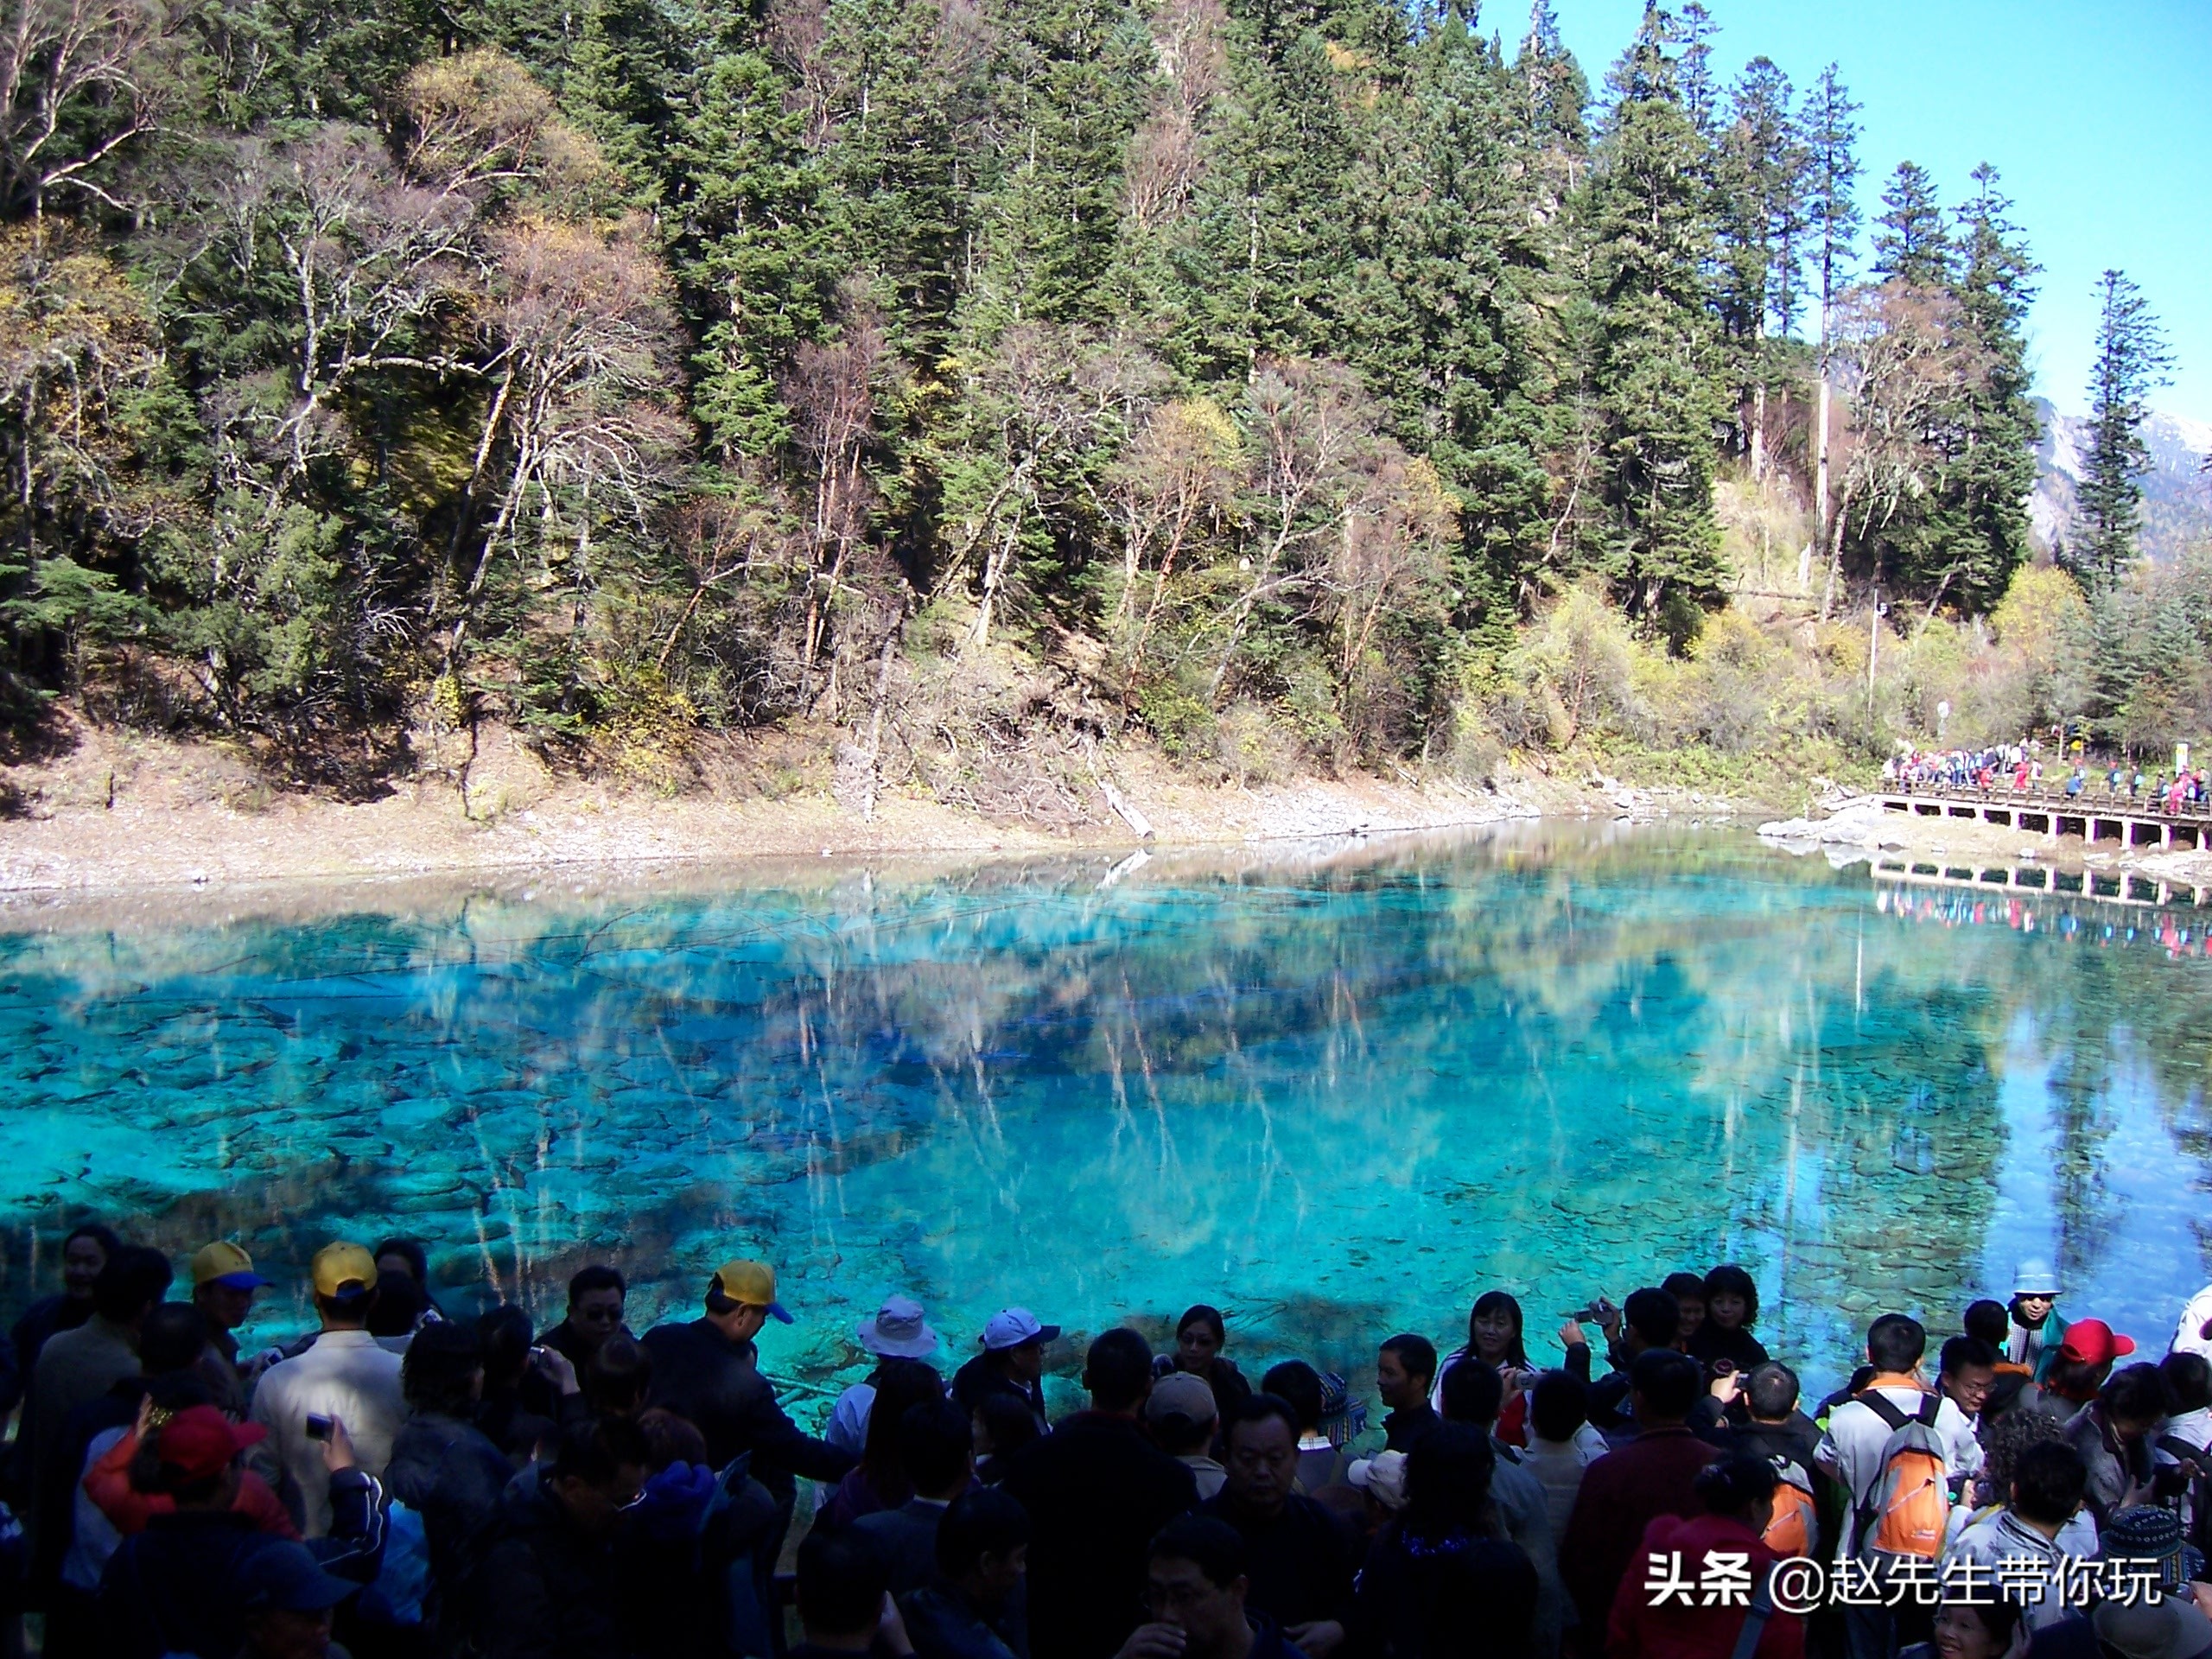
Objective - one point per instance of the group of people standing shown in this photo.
(400, 1482)
(2020, 767)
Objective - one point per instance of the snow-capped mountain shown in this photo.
(2176, 495)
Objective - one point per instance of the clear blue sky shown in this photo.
(2099, 115)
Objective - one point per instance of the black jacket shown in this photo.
(1096, 1491)
(943, 1624)
(548, 1591)
(979, 1377)
(1409, 1591)
(449, 1473)
(700, 1374)
(1301, 1562)
(173, 1588)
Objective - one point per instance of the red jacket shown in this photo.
(1638, 1629)
(107, 1483)
(1620, 1493)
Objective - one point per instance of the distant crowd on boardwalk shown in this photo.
(2019, 768)
(398, 1482)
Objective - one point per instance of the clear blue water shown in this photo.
(1338, 1096)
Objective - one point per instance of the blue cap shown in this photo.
(284, 1576)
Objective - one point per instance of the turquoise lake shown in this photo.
(1337, 1092)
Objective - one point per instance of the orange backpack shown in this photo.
(1797, 1522)
(1908, 1509)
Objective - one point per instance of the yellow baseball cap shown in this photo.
(344, 1270)
(753, 1283)
(225, 1263)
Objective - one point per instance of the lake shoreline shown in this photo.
(121, 815)
(115, 816)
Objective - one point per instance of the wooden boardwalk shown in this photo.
(2091, 818)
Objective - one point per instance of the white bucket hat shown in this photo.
(898, 1331)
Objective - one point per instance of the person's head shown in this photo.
(84, 1251)
(1740, 1488)
(1447, 1481)
(2134, 1401)
(2035, 1289)
(287, 1600)
(1405, 1370)
(1895, 1344)
(1117, 1371)
(1771, 1392)
(1688, 1291)
(2189, 1381)
(1003, 1423)
(171, 1339)
(223, 1283)
(1732, 1298)
(1976, 1628)
(2087, 1354)
(1014, 1344)
(344, 1279)
(404, 1255)
(741, 1298)
(2048, 1480)
(597, 1472)
(2006, 1438)
(1262, 1443)
(1299, 1384)
(595, 1296)
(444, 1371)
(671, 1439)
(618, 1378)
(842, 1577)
(399, 1304)
(1473, 1393)
(134, 1279)
(197, 1455)
(1966, 1367)
(1987, 1321)
(1494, 1331)
(1200, 1335)
(1181, 1414)
(900, 1384)
(1664, 1385)
(982, 1545)
(1651, 1317)
(1558, 1406)
(937, 1450)
(1195, 1580)
(504, 1336)
(2075, 1380)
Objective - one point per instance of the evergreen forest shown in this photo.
(1296, 383)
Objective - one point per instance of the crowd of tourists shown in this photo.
(2019, 768)
(398, 1481)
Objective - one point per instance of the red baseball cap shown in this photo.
(199, 1441)
(2092, 1342)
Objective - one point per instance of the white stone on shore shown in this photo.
(1858, 824)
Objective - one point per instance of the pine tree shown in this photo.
(1831, 127)
(1978, 530)
(1653, 376)
(1550, 96)
(2133, 360)
(626, 64)
(746, 225)
(901, 106)
(1700, 87)
(1831, 136)
(1266, 265)
(1912, 243)
(1067, 88)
